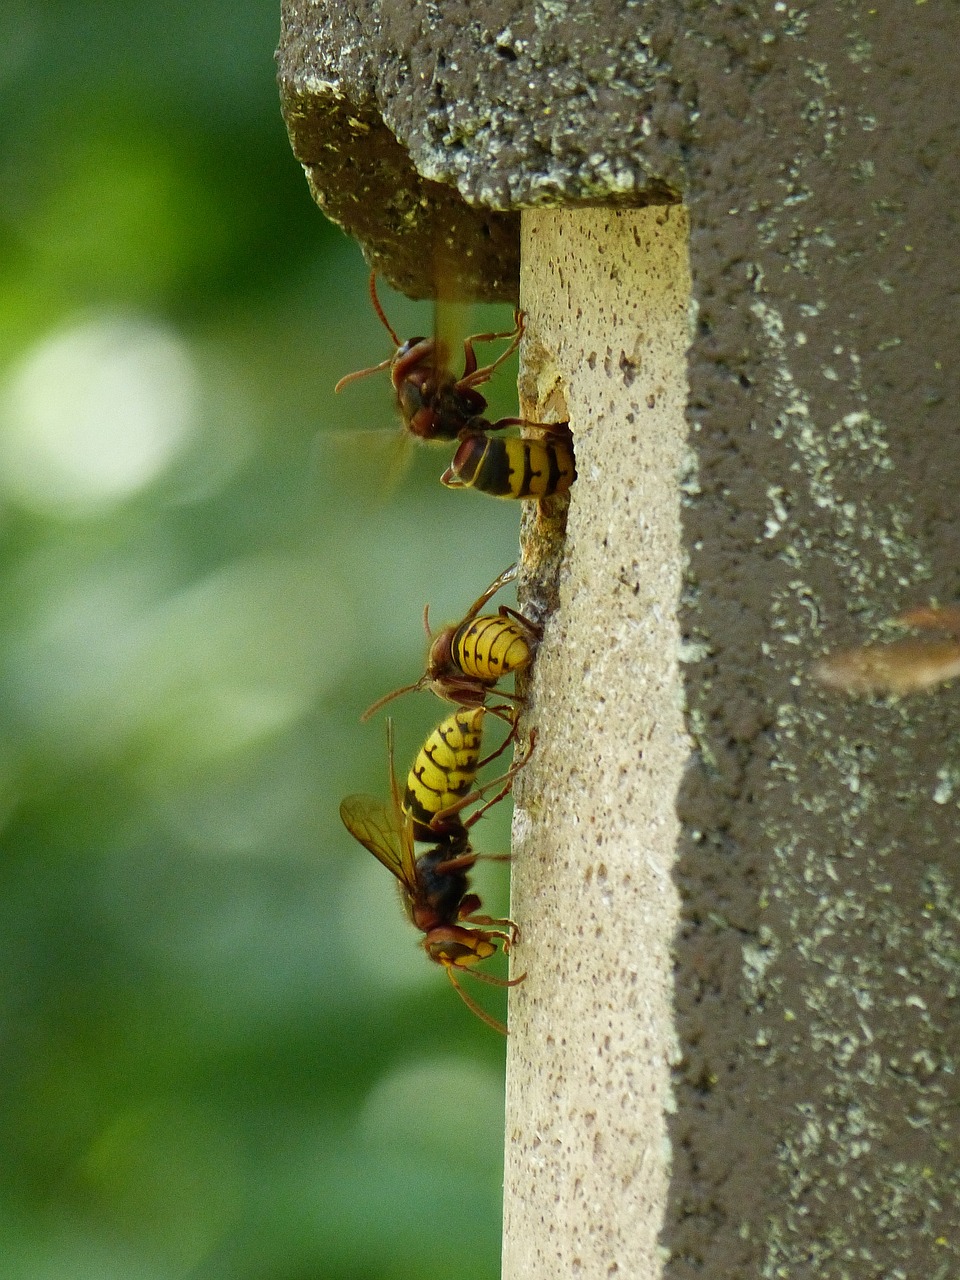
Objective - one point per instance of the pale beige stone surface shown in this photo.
(588, 1077)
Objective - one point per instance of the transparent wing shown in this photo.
(376, 827)
(451, 318)
(396, 796)
(401, 455)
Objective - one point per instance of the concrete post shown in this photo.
(595, 828)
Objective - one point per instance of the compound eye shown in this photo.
(411, 398)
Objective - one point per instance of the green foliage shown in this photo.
(225, 1055)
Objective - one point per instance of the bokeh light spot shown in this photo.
(95, 413)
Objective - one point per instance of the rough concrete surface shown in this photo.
(817, 1128)
(595, 828)
(415, 124)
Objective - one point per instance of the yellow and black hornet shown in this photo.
(433, 402)
(466, 659)
(510, 467)
(435, 886)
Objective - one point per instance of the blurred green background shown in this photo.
(224, 1054)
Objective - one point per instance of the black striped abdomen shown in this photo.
(444, 769)
(513, 468)
(490, 647)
